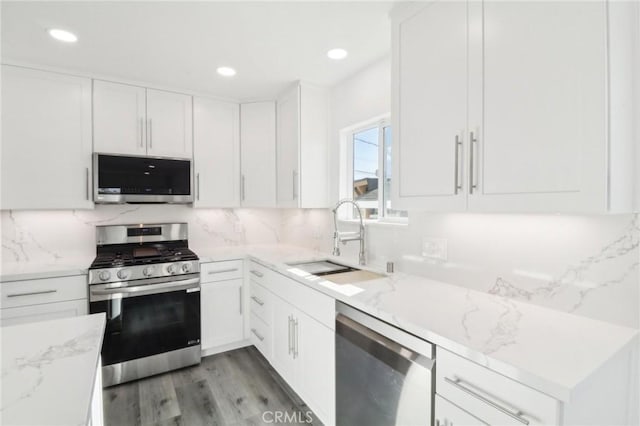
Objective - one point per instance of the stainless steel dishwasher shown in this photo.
(383, 374)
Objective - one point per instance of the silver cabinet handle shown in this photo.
(295, 339)
(257, 273)
(261, 338)
(240, 296)
(197, 186)
(86, 171)
(141, 132)
(472, 167)
(290, 344)
(242, 188)
(295, 184)
(514, 415)
(33, 293)
(458, 180)
(221, 271)
(150, 134)
(258, 301)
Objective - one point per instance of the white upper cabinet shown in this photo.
(430, 91)
(46, 140)
(132, 120)
(170, 124)
(302, 120)
(119, 118)
(534, 94)
(258, 154)
(216, 152)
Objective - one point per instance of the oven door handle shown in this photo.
(155, 288)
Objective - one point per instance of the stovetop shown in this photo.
(142, 255)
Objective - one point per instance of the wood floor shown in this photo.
(233, 388)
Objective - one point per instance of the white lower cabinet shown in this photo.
(43, 299)
(221, 304)
(489, 396)
(289, 325)
(96, 418)
(448, 414)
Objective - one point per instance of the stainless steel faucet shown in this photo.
(343, 237)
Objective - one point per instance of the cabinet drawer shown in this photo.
(448, 414)
(492, 397)
(260, 302)
(313, 303)
(220, 271)
(48, 290)
(260, 274)
(260, 335)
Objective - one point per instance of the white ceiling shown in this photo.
(180, 44)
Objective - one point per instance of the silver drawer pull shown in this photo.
(33, 293)
(221, 271)
(261, 338)
(257, 273)
(514, 415)
(258, 301)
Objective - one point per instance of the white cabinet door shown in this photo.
(448, 414)
(282, 347)
(46, 140)
(288, 131)
(43, 312)
(169, 124)
(257, 154)
(538, 82)
(430, 107)
(216, 153)
(315, 347)
(119, 112)
(222, 313)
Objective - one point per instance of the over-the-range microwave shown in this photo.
(138, 179)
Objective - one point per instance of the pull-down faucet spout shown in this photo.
(343, 237)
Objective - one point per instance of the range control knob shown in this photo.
(123, 274)
(104, 275)
(186, 267)
(148, 271)
(172, 269)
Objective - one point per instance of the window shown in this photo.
(369, 171)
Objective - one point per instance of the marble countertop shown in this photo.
(549, 350)
(49, 369)
(20, 271)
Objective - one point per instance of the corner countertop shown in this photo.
(551, 351)
(49, 369)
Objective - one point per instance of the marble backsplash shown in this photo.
(587, 265)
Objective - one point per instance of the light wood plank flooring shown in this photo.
(233, 388)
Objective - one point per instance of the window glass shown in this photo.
(365, 171)
(389, 212)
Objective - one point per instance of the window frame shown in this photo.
(347, 166)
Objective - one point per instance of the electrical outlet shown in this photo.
(434, 248)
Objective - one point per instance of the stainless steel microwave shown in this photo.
(137, 179)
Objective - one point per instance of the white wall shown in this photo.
(359, 98)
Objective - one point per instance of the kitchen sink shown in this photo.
(336, 272)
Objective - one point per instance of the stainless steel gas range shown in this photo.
(147, 281)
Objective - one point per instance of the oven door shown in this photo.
(159, 316)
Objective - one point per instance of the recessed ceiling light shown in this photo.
(337, 54)
(63, 35)
(226, 71)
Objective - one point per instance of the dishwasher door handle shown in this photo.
(389, 344)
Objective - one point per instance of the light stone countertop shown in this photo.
(49, 369)
(20, 271)
(549, 350)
